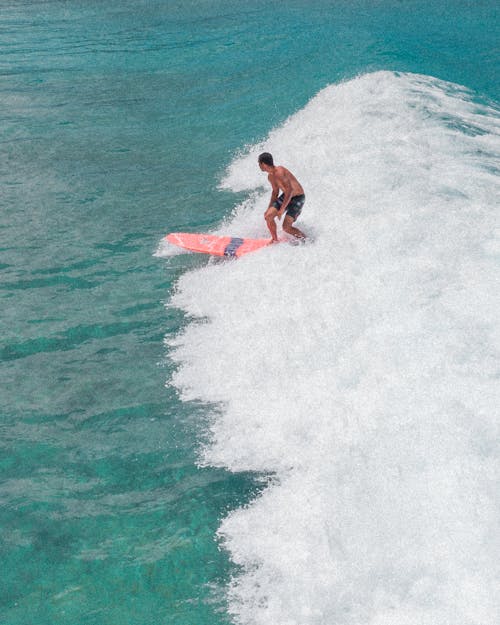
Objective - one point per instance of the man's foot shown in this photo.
(298, 240)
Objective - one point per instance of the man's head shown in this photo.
(266, 162)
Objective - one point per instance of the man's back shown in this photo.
(285, 180)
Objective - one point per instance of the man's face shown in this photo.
(264, 167)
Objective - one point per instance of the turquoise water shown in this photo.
(119, 122)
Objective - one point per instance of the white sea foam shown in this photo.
(362, 369)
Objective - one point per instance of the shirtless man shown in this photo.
(290, 201)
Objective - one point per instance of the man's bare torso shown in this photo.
(285, 180)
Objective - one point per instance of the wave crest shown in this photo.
(361, 369)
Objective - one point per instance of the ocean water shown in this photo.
(305, 436)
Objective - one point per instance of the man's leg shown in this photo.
(270, 216)
(290, 229)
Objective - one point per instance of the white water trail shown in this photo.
(362, 369)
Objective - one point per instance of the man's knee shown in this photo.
(288, 225)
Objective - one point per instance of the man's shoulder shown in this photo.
(281, 172)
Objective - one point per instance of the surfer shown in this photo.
(290, 201)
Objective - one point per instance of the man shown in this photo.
(290, 202)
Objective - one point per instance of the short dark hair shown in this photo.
(266, 158)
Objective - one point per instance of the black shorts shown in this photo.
(294, 207)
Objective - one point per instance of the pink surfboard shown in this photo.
(216, 245)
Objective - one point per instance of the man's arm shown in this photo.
(275, 191)
(287, 195)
